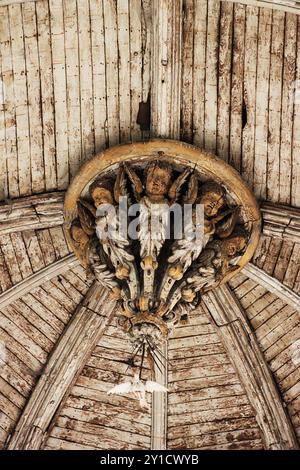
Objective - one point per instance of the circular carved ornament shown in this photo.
(191, 223)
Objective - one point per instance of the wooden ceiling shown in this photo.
(76, 77)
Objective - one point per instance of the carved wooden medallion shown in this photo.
(160, 223)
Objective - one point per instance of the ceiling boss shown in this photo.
(159, 224)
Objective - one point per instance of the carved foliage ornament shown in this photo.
(158, 224)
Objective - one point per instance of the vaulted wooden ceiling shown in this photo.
(78, 76)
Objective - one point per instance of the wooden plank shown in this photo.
(73, 70)
(262, 93)
(47, 94)
(211, 80)
(295, 197)
(293, 267)
(60, 92)
(224, 79)
(98, 69)
(86, 80)
(3, 160)
(10, 258)
(33, 250)
(34, 97)
(127, 69)
(236, 109)
(111, 70)
(10, 183)
(252, 368)
(283, 260)
(166, 68)
(59, 241)
(46, 245)
(21, 98)
(289, 69)
(21, 254)
(65, 364)
(135, 8)
(199, 71)
(272, 255)
(277, 46)
(32, 212)
(187, 71)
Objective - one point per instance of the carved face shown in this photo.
(101, 196)
(157, 181)
(234, 245)
(212, 202)
(79, 236)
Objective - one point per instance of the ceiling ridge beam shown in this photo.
(69, 356)
(247, 358)
(33, 212)
(289, 6)
(35, 280)
(281, 221)
(272, 285)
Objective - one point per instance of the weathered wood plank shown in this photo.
(166, 68)
(288, 88)
(187, 68)
(86, 80)
(236, 109)
(262, 91)
(34, 97)
(211, 80)
(277, 47)
(60, 92)
(199, 72)
(73, 70)
(9, 158)
(111, 70)
(21, 98)
(135, 45)
(47, 94)
(295, 197)
(224, 79)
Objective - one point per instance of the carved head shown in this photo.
(158, 179)
(101, 193)
(236, 243)
(79, 236)
(212, 198)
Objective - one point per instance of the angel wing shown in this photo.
(225, 227)
(136, 182)
(176, 186)
(192, 192)
(86, 216)
(120, 186)
(151, 387)
(121, 389)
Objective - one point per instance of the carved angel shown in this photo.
(138, 388)
(115, 244)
